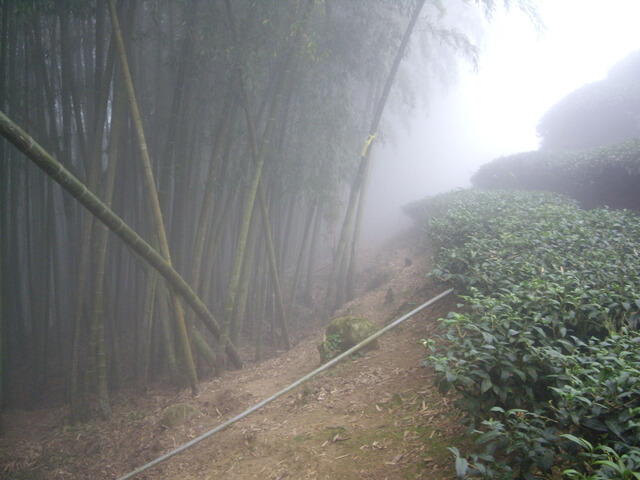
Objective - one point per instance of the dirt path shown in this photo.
(376, 416)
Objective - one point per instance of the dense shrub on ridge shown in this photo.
(545, 355)
(596, 177)
(598, 113)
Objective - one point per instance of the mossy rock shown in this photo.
(343, 333)
(175, 414)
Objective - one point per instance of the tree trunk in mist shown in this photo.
(53, 138)
(242, 241)
(2, 244)
(4, 42)
(152, 197)
(101, 234)
(217, 232)
(143, 339)
(259, 163)
(197, 255)
(260, 318)
(175, 118)
(167, 332)
(95, 164)
(273, 268)
(350, 230)
(27, 145)
(69, 84)
(350, 280)
(245, 280)
(303, 247)
(77, 409)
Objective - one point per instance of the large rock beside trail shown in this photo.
(343, 333)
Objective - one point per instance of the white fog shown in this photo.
(481, 116)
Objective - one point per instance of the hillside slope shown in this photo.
(376, 416)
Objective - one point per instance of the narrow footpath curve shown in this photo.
(374, 417)
(377, 416)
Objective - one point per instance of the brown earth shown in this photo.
(375, 416)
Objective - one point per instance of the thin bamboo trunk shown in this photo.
(99, 52)
(245, 280)
(271, 255)
(3, 189)
(311, 265)
(303, 247)
(285, 233)
(253, 188)
(37, 266)
(101, 232)
(4, 42)
(218, 230)
(350, 280)
(228, 117)
(152, 197)
(77, 409)
(52, 129)
(54, 169)
(113, 366)
(261, 320)
(167, 333)
(336, 286)
(143, 344)
(177, 101)
(68, 81)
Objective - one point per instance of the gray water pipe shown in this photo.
(258, 406)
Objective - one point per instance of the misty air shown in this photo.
(319, 239)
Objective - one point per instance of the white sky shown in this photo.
(495, 112)
(523, 74)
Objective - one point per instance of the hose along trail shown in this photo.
(285, 390)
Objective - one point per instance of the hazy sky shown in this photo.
(494, 112)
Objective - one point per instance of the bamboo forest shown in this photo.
(183, 189)
(212, 129)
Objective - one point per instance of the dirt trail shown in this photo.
(375, 416)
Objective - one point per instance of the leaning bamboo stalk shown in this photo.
(355, 195)
(254, 190)
(54, 169)
(152, 194)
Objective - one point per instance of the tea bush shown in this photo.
(547, 343)
(606, 175)
(541, 168)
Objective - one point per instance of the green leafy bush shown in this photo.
(547, 342)
(603, 394)
(596, 177)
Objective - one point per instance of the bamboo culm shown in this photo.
(54, 169)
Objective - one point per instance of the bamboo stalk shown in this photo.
(54, 169)
(152, 195)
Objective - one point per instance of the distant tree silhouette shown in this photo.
(599, 113)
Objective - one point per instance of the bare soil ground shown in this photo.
(375, 416)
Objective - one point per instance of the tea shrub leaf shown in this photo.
(546, 345)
